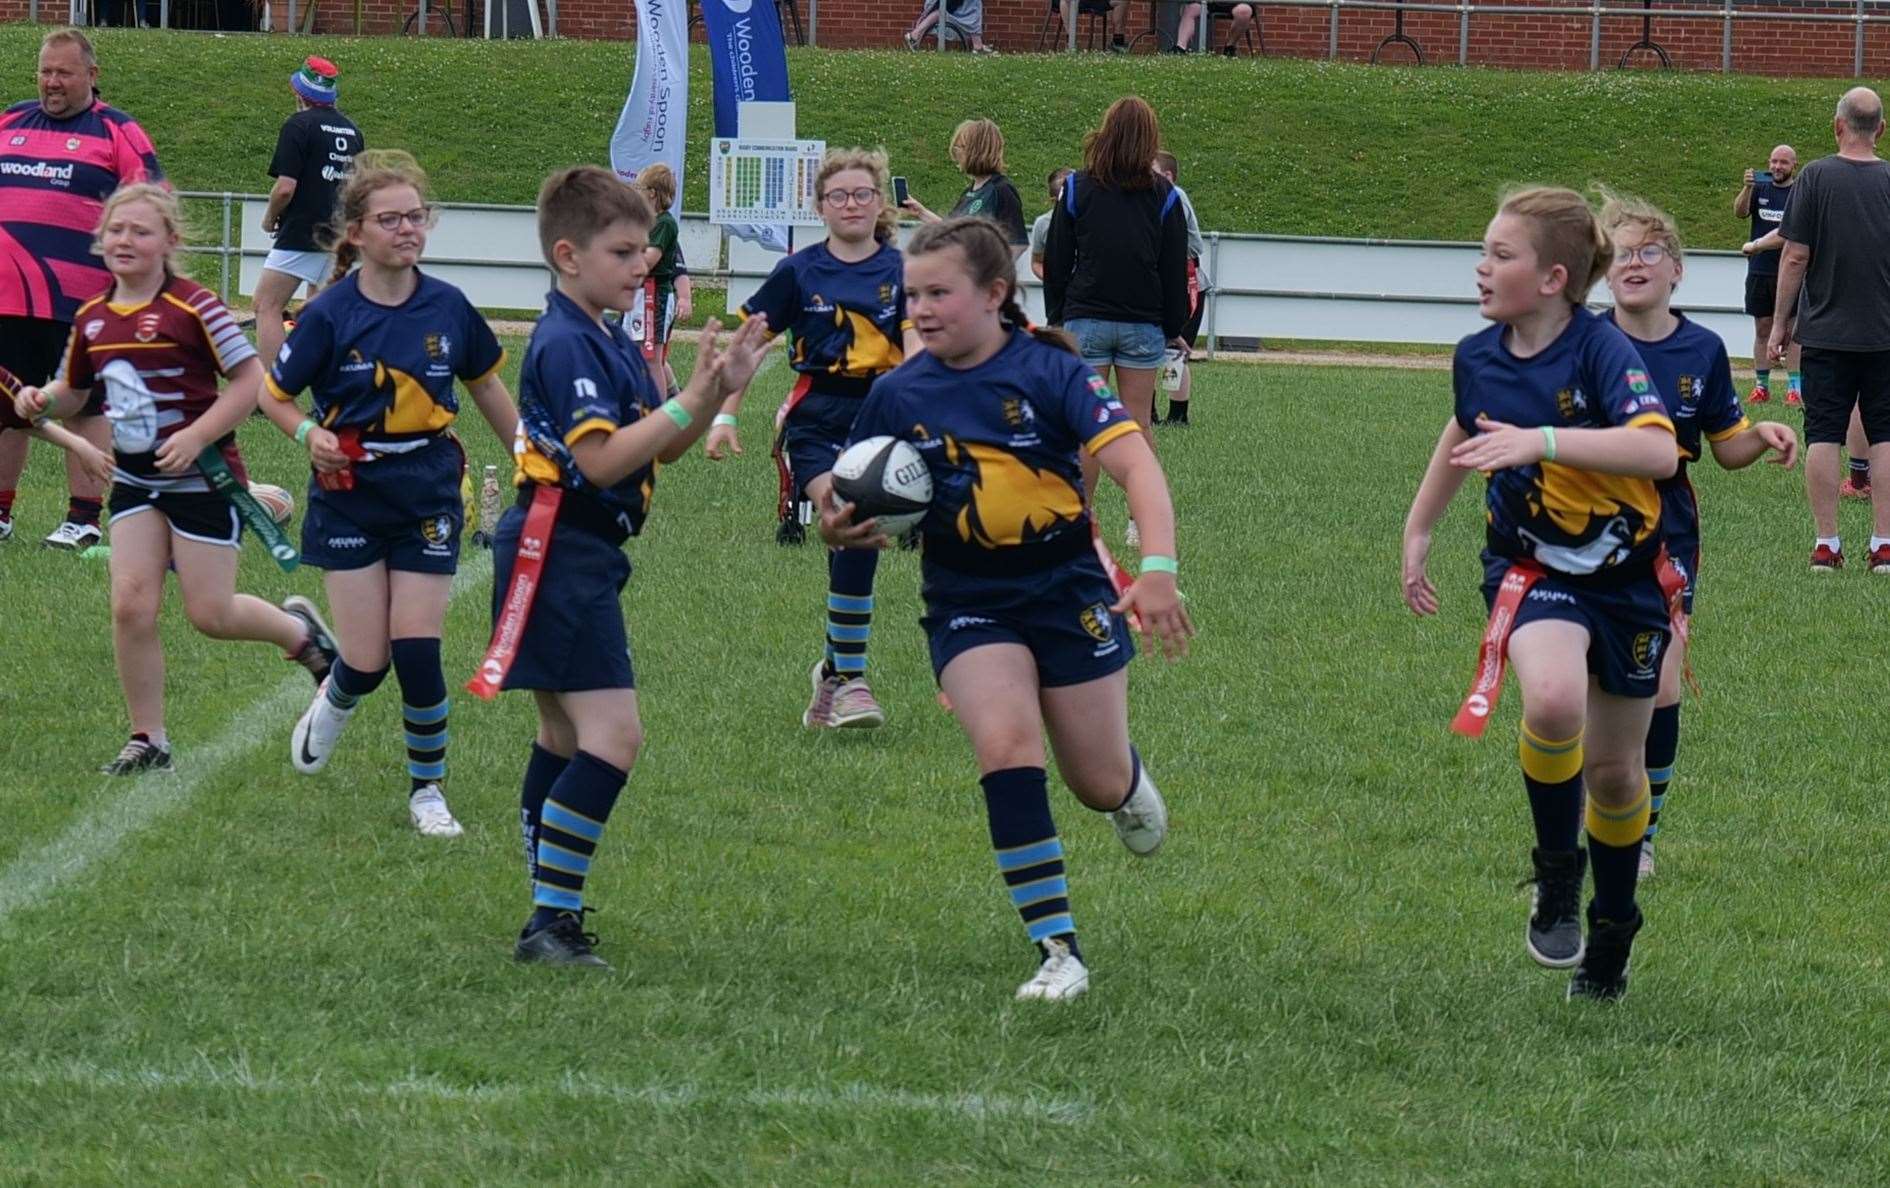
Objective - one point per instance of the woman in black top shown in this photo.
(1118, 227)
(978, 151)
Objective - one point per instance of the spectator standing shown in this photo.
(1119, 225)
(1763, 197)
(1198, 287)
(1040, 228)
(61, 156)
(1837, 251)
(978, 152)
(314, 151)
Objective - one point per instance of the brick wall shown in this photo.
(1760, 46)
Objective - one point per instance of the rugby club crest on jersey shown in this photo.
(1095, 620)
(439, 346)
(437, 530)
(72, 144)
(147, 328)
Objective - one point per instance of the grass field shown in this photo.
(240, 975)
(1275, 145)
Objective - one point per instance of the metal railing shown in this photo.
(1863, 13)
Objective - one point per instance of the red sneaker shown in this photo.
(1880, 559)
(1794, 400)
(1760, 394)
(1851, 489)
(1825, 559)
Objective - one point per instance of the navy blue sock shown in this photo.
(1552, 774)
(1614, 855)
(1663, 743)
(570, 825)
(541, 772)
(849, 608)
(1029, 852)
(349, 685)
(423, 707)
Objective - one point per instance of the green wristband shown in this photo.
(302, 431)
(1548, 443)
(724, 418)
(677, 413)
(1156, 563)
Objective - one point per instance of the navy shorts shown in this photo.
(1061, 614)
(1680, 526)
(405, 510)
(575, 638)
(1627, 623)
(815, 433)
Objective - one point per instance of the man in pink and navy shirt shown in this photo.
(60, 157)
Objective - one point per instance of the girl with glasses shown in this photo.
(842, 303)
(381, 348)
(1687, 365)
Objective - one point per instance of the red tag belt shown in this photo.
(528, 567)
(1493, 655)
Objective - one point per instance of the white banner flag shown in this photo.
(655, 116)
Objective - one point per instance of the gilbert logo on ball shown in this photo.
(885, 479)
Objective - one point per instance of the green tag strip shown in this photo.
(223, 481)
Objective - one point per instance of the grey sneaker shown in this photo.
(854, 706)
(561, 942)
(1554, 933)
(819, 712)
(1647, 858)
(319, 653)
(1142, 821)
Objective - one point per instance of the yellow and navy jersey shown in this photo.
(1577, 522)
(1690, 370)
(580, 378)
(845, 323)
(1002, 442)
(386, 371)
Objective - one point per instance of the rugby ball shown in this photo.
(275, 500)
(884, 479)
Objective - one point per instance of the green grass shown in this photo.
(1277, 145)
(1319, 980)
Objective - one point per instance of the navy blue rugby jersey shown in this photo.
(1002, 442)
(1690, 370)
(1573, 521)
(578, 378)
(385, 370)
(1769, 203)
(845, 321)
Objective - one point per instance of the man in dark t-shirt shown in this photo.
(1837, 250)
(1763, 197)
(314, 151)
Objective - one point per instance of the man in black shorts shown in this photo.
(1763, 198)
(1837, 249)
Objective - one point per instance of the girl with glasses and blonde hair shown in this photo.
(380, 349)
(842, 304)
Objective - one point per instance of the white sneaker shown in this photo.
(1132, 536)
(6, 527)
(1142, 821)
(73, 537)
(819, 712)
(1062, 975)
(1647, 859)
(315, 734)
(427, 807)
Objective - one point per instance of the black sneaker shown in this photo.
(1554, 935)
(318, 654)
(139, 756)
(561, 942)
(1602, 975)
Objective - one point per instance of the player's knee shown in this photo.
(1615, 781)
(1555, 712)
(135, 603)
(616, 744)
(1099, 780)
(209, 617)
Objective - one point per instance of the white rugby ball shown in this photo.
(885, 479)
(275, 500)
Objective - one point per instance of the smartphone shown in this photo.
(899, 191)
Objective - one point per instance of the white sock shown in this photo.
(1830, 542)
(160, 740)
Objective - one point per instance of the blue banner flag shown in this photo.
(748, 63)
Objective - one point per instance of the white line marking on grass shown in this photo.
(849, 1097)
(144, 800)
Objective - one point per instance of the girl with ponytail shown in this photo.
(1027, 633)
(842, 304)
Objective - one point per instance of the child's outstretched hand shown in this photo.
(733, 364)
(1781, 439)
(1498, 446)
(1155, 598)
(29, 403)
(1419, 594)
